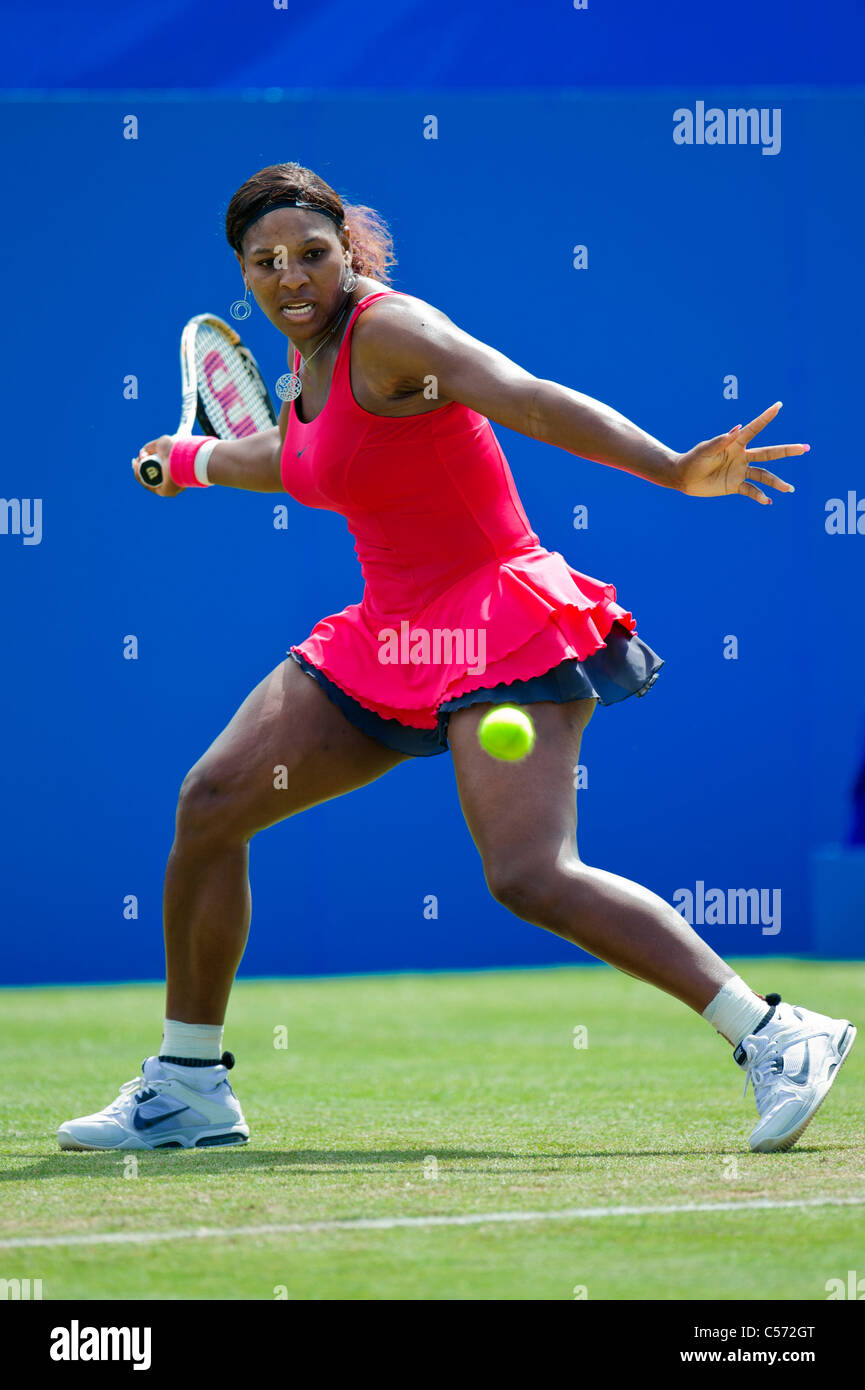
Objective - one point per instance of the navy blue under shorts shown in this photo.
(625, 666)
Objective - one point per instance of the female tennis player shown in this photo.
(392, 429)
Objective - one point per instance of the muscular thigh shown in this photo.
(515, 810)
(288, 747)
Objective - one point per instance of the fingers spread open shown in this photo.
(756, 425)
(762, 475)
(749, 490)
(776, 451)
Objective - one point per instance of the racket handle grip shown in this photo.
(151, 470)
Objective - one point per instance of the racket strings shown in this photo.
(230, 389)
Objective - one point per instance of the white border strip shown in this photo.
(390, 1223)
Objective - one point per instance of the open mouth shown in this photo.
(303, 309)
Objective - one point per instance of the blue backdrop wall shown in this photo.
(412, 45)
(704, 263)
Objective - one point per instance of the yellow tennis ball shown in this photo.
(507, 732)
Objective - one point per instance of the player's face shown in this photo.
(294, 263)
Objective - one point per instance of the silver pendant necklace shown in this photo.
(290, 384)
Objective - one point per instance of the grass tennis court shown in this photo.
(435, 1096)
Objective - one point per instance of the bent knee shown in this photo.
(210, 802)
(528, 886)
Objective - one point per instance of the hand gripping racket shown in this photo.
(222, 389)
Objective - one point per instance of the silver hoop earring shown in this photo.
(241, 308)
(350, 281)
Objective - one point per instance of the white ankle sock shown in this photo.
(199, 1040)
(736, 1011)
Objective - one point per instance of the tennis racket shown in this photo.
(222, 389)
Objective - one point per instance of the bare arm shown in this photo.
(408, 341)
(596, 431)
(405, 344)
(252, 463)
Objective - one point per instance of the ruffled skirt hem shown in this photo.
(519, 619)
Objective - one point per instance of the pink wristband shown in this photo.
(181, 460)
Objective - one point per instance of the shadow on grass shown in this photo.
(304, 1162)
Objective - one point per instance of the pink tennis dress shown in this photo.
(459, 594)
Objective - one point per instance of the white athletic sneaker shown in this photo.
(791, 1061)
(160, 1110)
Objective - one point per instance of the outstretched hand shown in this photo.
(725, 465)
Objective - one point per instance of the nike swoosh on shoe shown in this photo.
(802, 1075)
(146, 1116)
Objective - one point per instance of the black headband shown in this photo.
(287, 203)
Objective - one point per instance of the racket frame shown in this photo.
(192, 406)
